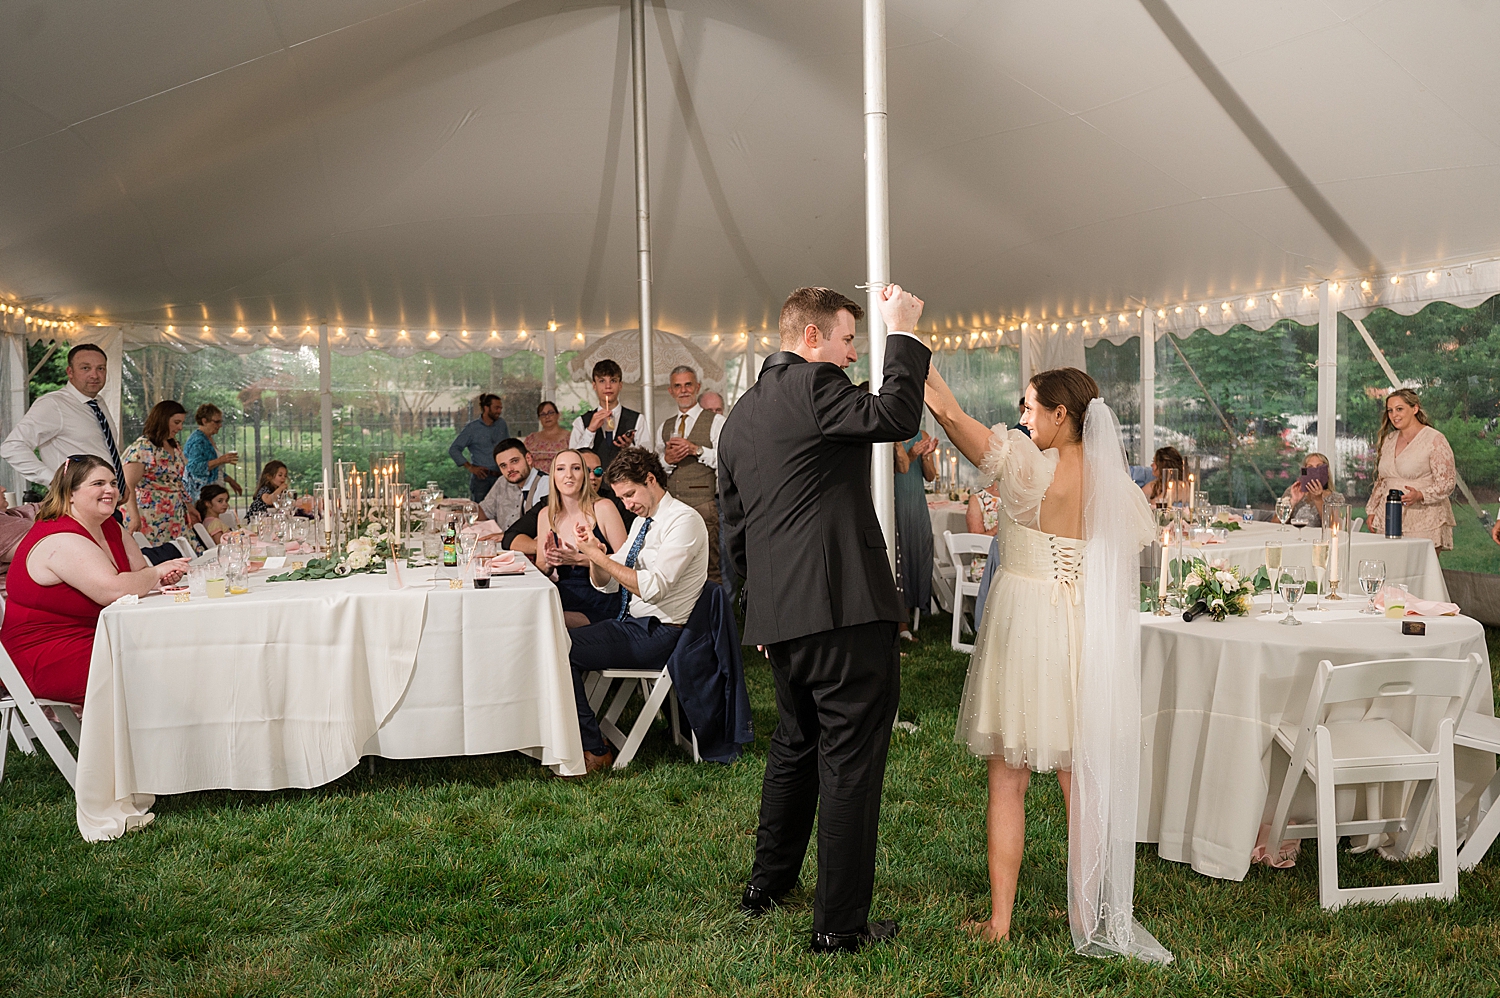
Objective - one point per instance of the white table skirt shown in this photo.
(1212, 696)
(949, 516)
(288, 685)
(1409, 561)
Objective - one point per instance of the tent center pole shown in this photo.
(643, 216)
(1148, 387)
(1328, 382)
(549, 366)
(878, 256)
(325, 399)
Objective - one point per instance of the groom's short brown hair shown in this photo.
(813, 307)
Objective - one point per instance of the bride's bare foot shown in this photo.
(984, 930)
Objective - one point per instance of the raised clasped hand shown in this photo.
(900, 309)
(678, 448)
(600, 416)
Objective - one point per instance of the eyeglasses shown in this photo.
(598, 472)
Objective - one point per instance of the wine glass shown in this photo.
(1293, 584)
(1273, 569)
(1284, 511)
(1320, 571)
(1371, 578)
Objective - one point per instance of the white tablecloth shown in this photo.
(289, 684)
(950, 516)
(1212, 695)
(1409, 561)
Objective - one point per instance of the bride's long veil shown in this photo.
(1107, 704)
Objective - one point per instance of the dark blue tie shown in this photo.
(635, 551)
(109, 441)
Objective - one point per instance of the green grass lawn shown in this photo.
(487, 876)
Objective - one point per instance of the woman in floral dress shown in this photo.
(153, 470)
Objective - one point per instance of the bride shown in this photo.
(1054, 680)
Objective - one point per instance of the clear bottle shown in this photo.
(450, 544)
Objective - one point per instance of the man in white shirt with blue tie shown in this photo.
(66, 422)
(662, 568)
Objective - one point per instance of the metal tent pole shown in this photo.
(1328, 382)
(325, 400)
(643, 215)
(1148, 386)
(549, 366)
(878, 255)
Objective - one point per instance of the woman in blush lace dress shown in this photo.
(1415, 459)
(1051, 688)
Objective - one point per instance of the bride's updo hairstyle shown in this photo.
(1068, 387)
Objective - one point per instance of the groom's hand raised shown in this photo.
(900, 309)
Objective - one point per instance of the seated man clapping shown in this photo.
(662, 567)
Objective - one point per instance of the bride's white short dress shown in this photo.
(1018, 698)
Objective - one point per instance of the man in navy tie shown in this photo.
(67, 421)
(661, 570)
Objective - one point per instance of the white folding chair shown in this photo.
(1357, 524)
(140, 540)
(1374, 750)
(656, 687)
(1482, 732)
(958, 546)
(204, 536)
(185, 546)
(231, 519)
(18, 705)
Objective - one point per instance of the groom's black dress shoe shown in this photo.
(852, 942)
(757, 901)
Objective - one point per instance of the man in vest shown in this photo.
(687, 443)
(610, 426)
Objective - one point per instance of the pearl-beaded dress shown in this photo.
(1018, 698)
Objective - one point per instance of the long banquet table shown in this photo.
(1409, 561)
(1212, 696)
(290, 684)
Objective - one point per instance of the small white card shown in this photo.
(274, 563)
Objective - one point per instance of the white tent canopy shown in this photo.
(447, 165)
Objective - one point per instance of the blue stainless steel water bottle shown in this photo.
(1393, 513)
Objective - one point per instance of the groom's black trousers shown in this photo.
(836, 694)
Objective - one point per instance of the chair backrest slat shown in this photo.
(1423, 677)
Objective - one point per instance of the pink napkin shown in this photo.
(1420, 607)
(508, 563)
(1286, 856)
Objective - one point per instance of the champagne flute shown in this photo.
(1371, 578)
(1293, 584)
(1320, 569)
(1273, 569)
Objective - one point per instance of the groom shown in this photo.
(794, 501)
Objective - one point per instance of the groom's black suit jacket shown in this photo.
(794, 492)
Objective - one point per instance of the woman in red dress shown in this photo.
(71, 564)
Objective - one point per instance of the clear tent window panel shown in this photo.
(1118, 371)
(1240, 407)
(987, 383)
(1450, 357)
(381, 404)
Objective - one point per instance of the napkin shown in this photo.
(1421, 607)
(508, 563)
(127, 600)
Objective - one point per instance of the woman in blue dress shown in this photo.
(915, 465)
(204, 463)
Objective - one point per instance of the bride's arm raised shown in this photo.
(968, 434)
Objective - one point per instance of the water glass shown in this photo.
(1293, 583)
(197, 581)
(1371, 578)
